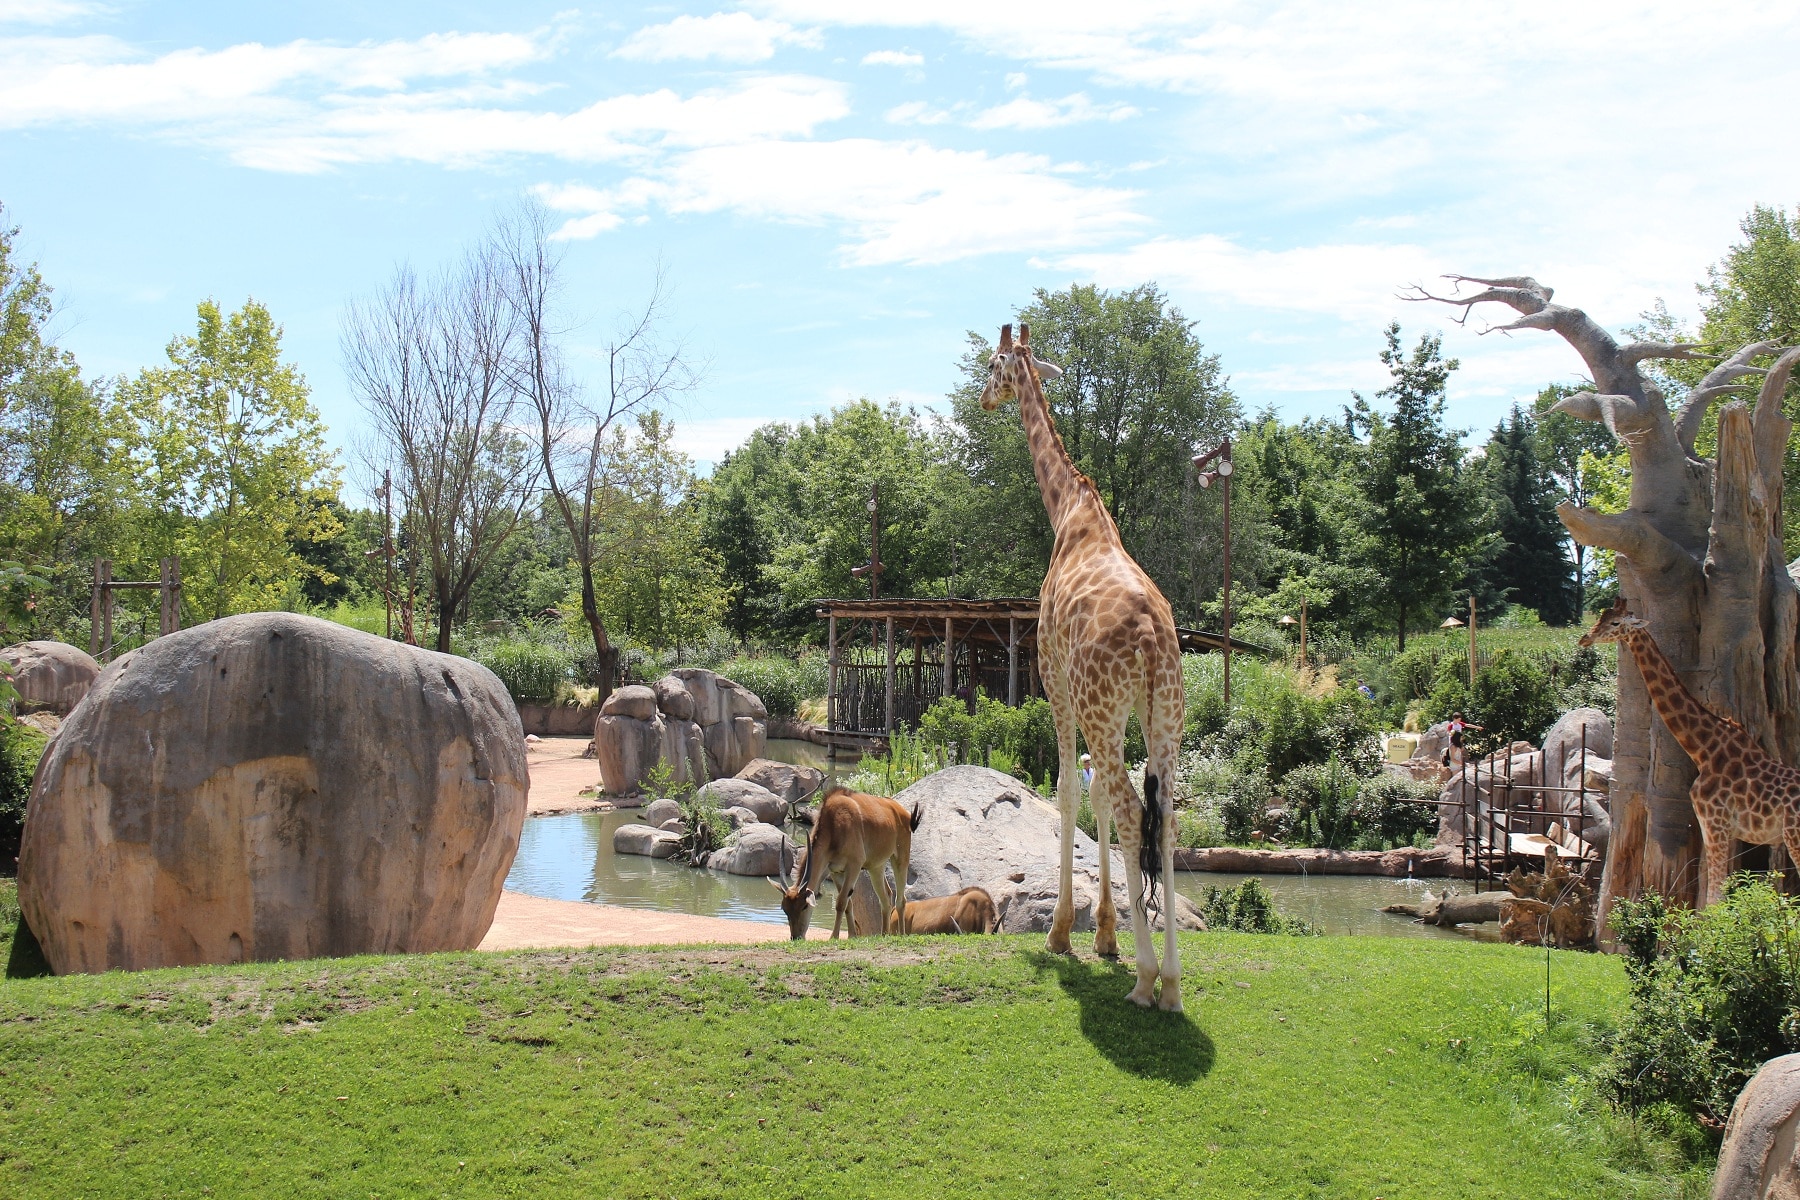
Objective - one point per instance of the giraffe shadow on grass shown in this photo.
(1143, 1041)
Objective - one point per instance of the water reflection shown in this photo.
(1335, 904)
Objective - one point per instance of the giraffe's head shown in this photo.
(1011, 366)
(1614, 625)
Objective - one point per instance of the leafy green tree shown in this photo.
(656, 579)
(235, 453)
(1138, 395)
(1422, 507)
(1527, 562)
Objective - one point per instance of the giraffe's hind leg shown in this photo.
(1712, 810)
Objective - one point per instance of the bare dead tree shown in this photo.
(1700, 558)
(575, 449)
(432, 365)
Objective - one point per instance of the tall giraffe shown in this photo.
(1741, 790)
(1106, 646)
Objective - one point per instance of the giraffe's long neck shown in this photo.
(1062, 485)
(1697, 730)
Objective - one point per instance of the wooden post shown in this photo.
(918, 680)
(1303, 631)
(949, 658)
(1012, 661)
(106, 607)
(831, 686)
(1472, 641)
(889, 711)
(94, 609)
(174, 593)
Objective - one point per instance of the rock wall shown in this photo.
(273, 786)
(703, 725)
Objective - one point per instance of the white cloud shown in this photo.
(710, 439)
(46, 12)
(731, 37)
(896, 202)
(892, 58)
(1026, 113)
(918, 112)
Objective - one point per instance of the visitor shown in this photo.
(1087, 773)
(1456, 755)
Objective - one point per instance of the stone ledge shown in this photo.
(1437, 862)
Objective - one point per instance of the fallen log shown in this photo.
(1450, 910)
(1436, 863)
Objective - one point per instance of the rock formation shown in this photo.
(978, 827)
(1467, 797)
(701, 724)
(273, 786)
(757, 848)
(1761, 1154)
(50, 676)
(793, 784)
(741, 793)
(646, 840)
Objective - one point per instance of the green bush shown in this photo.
(783, 683)
(21, 746)
(1714, 995)
(531, 671)
(1389, 812)
(1513, 699)
(1249, 908)
(1320, 797)
(1026, 735)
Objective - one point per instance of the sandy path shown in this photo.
(529, 923)
(558, 774)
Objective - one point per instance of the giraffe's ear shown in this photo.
(1048, 370)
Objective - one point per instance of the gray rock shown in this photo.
(274, 786)
(50, 676)
(634, 700)
(786, 780)
(732, 719)
(1562, 745)
(657, 812)
(628, 749)
(674, 825)
(755, 849)
(740, 817)
(674, 699)
(741, 793)
(980, 828)
(644, 840)
(1760, 1158)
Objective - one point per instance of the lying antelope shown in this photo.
(968, 911)
(852, 833)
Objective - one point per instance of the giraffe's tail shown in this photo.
(1150, 829)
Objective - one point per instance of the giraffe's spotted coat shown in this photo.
(1741, 790)
(1106, 647)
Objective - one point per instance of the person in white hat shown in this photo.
(1087, 771)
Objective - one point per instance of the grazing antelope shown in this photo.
(852, 833)
(968, 911)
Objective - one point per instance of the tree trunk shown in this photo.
(606, 657)
(1700, 560)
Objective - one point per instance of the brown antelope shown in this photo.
(968, 911)
(852, 833)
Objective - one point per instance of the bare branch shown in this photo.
(1628, 533)
(1633, 353)
(1720, 381)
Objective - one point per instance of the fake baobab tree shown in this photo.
(1700, 558)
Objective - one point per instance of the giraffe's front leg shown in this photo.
(1144, 994)
(1715, 839)
(1106, 915)
(1068, 799)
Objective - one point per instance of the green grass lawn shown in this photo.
(1318, 1067)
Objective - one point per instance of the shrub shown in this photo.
(1025, 735)
(1249, 908)
(1713, 996)
(1512, 700)
(1320, 798)
(1389, 812)
(531, 671)
(1245, 806)
(21, 746)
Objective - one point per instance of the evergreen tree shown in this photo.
(1421, 506)
(1527, 563)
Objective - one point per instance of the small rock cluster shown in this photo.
(703, 725)
(51, 677)
(756, 801)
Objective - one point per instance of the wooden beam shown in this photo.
(949, 657)
(1012, 661)
(831, 686)
(889, 710)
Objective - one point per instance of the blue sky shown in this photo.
(837, 190)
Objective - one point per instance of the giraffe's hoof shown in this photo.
(1143, 995)
(1058, 943)
(1170, 1000)
(1107, 947)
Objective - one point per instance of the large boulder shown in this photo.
(50, 676)
(1563, 744)
(629, 748)
(792, 783)
(981, 828)
(1760, 1158)
(741, 793)
(634, 700)
(756, 849)
(273, 786)
(673, 698)
(732, 719)
(645, 840)
(657, 812)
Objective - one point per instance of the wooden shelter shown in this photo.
(892, 658)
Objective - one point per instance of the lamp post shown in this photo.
(1219, 459)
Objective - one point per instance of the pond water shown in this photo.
(570, 857)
